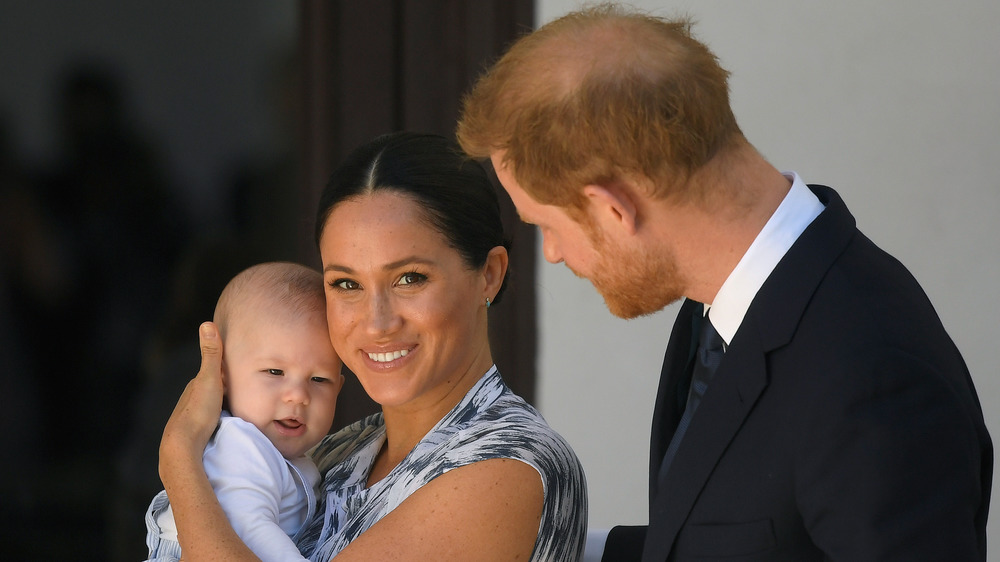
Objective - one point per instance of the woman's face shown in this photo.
(406, 314)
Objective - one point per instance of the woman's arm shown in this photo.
(489, 510)
(202, 527)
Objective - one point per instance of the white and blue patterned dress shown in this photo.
(490, 422)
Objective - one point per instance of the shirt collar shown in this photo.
(796, 211)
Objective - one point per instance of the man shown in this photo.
(811, 405)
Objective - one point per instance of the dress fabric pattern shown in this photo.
(490, 422)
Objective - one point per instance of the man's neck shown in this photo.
(710, 236)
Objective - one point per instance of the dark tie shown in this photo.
(707, 359)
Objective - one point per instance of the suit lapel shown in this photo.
(667, 409)
(742, 376)
(735, 388)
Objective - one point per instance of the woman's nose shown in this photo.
(383, 316)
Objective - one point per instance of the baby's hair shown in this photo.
(294, 288)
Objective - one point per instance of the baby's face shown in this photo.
(283, 376)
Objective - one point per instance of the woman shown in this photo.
(455, 467)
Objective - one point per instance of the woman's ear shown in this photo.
(495, 270)
(613, 206)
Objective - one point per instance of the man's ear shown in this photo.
(614, 204)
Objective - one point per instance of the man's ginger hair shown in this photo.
(600, 95)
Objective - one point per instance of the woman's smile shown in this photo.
(386, 357)
(391, 360)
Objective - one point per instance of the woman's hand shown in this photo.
(202, 527)
(197, 411)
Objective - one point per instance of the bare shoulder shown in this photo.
(488, 510)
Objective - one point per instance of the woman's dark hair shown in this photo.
(454, 192)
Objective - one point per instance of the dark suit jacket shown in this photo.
(842, 423)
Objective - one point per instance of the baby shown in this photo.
(281, 378)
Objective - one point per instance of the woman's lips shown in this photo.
(387, 360)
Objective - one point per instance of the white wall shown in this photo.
(895, 104)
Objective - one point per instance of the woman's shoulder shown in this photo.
(509, 427)
(511, 413)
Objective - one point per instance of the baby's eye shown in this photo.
(275, 372)
(320, 379)
(411, 277)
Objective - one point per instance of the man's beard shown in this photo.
(633, 282)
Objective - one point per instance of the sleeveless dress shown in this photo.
(490, 422)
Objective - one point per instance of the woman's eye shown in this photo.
(344, 285)
(275, 372)
(411, 277)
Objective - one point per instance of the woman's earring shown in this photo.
(487, 302)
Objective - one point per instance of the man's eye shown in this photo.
(275, 372)
(411, 277)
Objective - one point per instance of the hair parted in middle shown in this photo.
(598, 95)
(453, 191)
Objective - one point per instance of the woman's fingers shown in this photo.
(197, 411)
(211, 351)
(201, 402)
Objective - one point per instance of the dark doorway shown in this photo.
(387, 65)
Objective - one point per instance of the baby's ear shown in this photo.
(225, 376)
(225, 386)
